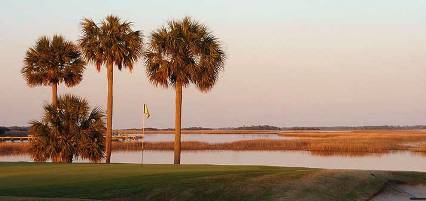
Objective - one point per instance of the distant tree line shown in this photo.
(302, 128)
(13, 131)
(3, 130)
(257, 127)
(332, 128)
(23, 131)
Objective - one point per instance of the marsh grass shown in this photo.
(420, 148)
(195, 145)
(360, 142)
(12, 148)
(355, 143)
(352, 143)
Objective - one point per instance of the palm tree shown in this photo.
(182, 53)
(69, 129)
(52, 61)
(110, 42)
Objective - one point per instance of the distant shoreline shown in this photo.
(257, 129)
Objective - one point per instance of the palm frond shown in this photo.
(184, 51)
(68, 130)
(111, 41)
(52, 61)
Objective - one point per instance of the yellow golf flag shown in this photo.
(146, 111)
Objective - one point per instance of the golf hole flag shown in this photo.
(146, 111)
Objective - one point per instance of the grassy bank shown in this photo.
(191, 182)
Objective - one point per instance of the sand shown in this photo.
(395, 192)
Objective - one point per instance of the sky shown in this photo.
(289, 62)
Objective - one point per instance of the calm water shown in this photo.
(403, 161)
(212, 138)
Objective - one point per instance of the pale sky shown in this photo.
(290, 63)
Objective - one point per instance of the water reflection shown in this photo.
(398, 161)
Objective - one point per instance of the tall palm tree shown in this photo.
(179, 54)
(69, 129)
(52, 61)
(111, 42)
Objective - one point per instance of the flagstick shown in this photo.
(143, 135)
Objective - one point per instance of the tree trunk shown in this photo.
(68, 159)
(108, 135)
(57, 158)
(178, 122)
(55, 94)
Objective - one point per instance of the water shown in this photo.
(397, 161)
(212, 138)
(402, 161)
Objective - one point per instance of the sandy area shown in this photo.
(402, 193)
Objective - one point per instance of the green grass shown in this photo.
(191, 182)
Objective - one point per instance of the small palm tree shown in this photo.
(110, 42)
(68, 130)
(182, 53)
(52, 61)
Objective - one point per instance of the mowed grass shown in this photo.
(191, 182)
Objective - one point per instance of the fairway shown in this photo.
(26, 181)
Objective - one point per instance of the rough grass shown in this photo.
(191, 182)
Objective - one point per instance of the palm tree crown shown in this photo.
(52, 61)
(67, 130)
(111, 41)
(186, 52)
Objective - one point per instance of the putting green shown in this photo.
(26, 181)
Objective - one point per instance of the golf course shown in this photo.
(213, 100)
(49, 181)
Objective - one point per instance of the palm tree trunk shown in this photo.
(55, 94)
(68, 159)
(56, 158)
(108, 135)
(178, 122)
